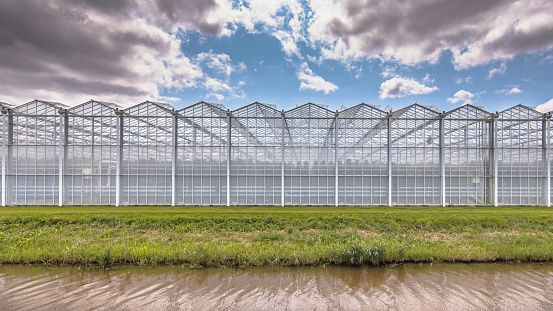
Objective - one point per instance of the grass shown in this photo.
(264, 236)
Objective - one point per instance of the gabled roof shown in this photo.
(415, 111)
(362, 111)
(468, 111)
(256, 110)
(94, 108)
(39, 107)
(309, 110)
(202, 109)
(520, 112)
(149, 108)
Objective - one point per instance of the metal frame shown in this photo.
(204, 154)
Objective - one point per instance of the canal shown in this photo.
(493, 286)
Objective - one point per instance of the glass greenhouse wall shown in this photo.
(98, 153)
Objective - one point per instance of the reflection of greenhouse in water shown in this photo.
(98, 153)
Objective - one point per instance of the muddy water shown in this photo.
(409, 287)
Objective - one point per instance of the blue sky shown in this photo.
(271, 77)
(441, 53)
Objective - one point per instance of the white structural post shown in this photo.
(4, 155)
(228, 157)
(119, 157)
(9, 153)
(60, 160)
(336, 159)
(493, 143)
(546, 141)
(442, 161)
(389, 156)
(174, 160)
(62, 154)
(282, 161)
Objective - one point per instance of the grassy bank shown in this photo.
(253, 236)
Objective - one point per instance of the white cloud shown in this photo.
(388, 72)
(514, 90)
(219, 96)
(467, 80)
(283, 19)
(427, 79)
(222, 89)
(311, 81)
(288, 43)
(461, 96)
(219, 62)
(400, 87)
(240, 94)
(266, 13)
(314, 59)
(510, 91)
(546, 107)
(547, 59)
(498, 70)
(341, 53)
(216, 85)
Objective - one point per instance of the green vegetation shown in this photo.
(261, 236)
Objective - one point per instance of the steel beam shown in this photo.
(546, 141)
(493, 155)
(63, 140)
(4, 155)
(174, 161)
(282, 160)
(229, 127)
(389, 156)
(119, 157)
(442, 162)
(336, 159)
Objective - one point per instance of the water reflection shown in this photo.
(409, 287)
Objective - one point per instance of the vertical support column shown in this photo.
(119, 157)
(4, 155)
(92, 148)
(60, 160)
(65, 152)
(546, 140)
(336, 159)
(493, 155)
(389, 156)
(9, 153)
(174, 160)
(282, 161)
(63, 139)
(228, 156)
(442, 161)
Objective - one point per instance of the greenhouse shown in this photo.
(98, 153)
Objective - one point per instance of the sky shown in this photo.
(443, 53)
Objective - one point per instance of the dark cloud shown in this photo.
(191, 12)
(519, 41)
(397, 23)
(97, 46)
(111, 7)
(39, 36)
(27, 83)
(415, 31)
